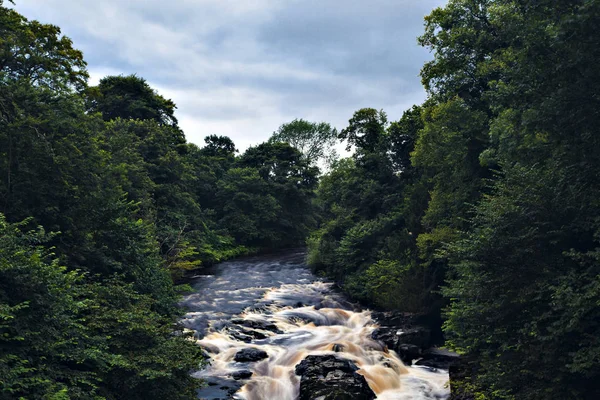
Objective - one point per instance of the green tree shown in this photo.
(526, 68)
(130, 97)
(42, 341)
(73, 173)
(285, 195)
(37, 54)
(315, 140)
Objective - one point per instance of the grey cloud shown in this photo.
(244, 67)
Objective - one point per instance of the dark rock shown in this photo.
(257, 309)
(408, 353)
(418, 336)
(397, 319)
(264, 325)
(237, 375)
(219, 388)
(242, 337)
(331, 378)
(394, 337)
(209, 349)
(245, 335)
(438, 358)
(205, 355)
(387, 336)
(254, 334)
(250, 355)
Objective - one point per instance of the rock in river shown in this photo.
(250, 355)
(330, 378)
(241, 375)
(438, 358)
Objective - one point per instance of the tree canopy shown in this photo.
(489, 198)
(104, 207)
(315, 140)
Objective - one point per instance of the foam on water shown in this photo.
(311, 318)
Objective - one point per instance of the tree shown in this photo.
(130, 97)
(37, 54)
(73, 173)
(365, 130)
(315, 140)
(42, 340)
(527, 246)
(219, 146)
(289, 181)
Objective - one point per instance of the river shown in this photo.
(301, 315)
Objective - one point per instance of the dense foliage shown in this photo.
(102, 204)
(315, 140)
(479, 208)
(488, 194)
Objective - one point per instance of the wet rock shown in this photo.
(408, 353)
(242, 337)
(394, 337)
(331, 378)
(263, 325)
(438, 358)
(397, 319)
(237, 375)
(209, 349)
(250, 355)
(387, 336)
(258, 309)
(218, 388)
(205, 354)
(418, 336)
(245, 335)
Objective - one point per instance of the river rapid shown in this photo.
(300, 315)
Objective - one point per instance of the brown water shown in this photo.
(311, 317)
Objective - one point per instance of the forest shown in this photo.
(479, 208)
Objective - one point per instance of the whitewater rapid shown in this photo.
(303, 316)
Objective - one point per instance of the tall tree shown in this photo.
(130, 97)
(526, 69)
(315, 140)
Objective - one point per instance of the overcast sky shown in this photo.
(241, 68)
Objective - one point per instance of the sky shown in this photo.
(241, 68)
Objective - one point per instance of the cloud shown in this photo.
(242, 68)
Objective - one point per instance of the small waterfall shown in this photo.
(279, 307)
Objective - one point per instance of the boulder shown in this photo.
(331, 378)
(394, 337)
(408, 353)
(438, 358)
(218, 388)
(245, 335)
(250, 355)
(418, 336)
(263, 325)
(397, 319)
(237, 375)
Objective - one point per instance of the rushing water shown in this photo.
(310, 318)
